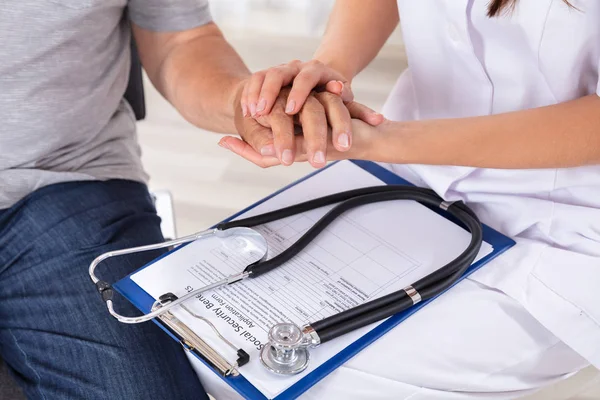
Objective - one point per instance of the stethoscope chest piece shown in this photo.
(286, 353)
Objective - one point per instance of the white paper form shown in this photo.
(368, 252)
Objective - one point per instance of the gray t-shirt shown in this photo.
(64, 66)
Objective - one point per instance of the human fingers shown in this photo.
(282, 126)
(364, 113)
(341, 89)
(314, 127)
(276, 78)
(339, 119)
(252, 91)
(312, 74)
(246, 151)
(259, 137)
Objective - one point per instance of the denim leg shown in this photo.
(55, 331)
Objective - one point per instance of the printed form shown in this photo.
(368, 252)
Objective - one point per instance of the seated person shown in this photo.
(499, 108)
(72, 185)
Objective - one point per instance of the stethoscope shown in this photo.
(287, 350)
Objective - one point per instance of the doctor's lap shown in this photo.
(474, 342)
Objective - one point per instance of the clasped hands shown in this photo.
(300, 112)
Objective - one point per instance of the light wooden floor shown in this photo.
(209, 183)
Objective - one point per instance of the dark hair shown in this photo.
(497, 7)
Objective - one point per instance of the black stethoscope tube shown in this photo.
(348, 200)
(320, 202)
(388, 305)
(347, 326)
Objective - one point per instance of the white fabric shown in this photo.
(465, 64)
(532, 316)
(474, 342)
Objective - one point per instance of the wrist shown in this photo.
(393, 142)
(196, 109)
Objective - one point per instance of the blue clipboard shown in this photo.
(143, 301)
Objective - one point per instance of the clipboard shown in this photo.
(143, 301)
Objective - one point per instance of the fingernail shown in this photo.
(379, 118)
(286, 157)
(262, 104)
(268, 150)
(319, 157)
(341, 84)
(253, 109)
(244, 110)
(344, 140)
(224, 145)
(291, 105)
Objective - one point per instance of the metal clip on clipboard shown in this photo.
(191, 342)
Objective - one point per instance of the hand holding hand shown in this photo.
(366, 138)
(271, 137)
(262, 95)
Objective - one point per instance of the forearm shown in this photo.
(198, 72)
(356, 32)
(562, 135)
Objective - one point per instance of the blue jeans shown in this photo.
(55, 332)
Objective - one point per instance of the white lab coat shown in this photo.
(462, 64)
(532, 316)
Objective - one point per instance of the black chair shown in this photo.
(135, 96)
(135, 88)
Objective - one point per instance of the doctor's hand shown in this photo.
(262, 89)
(270, 139)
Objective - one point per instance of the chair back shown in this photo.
(135, 88)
